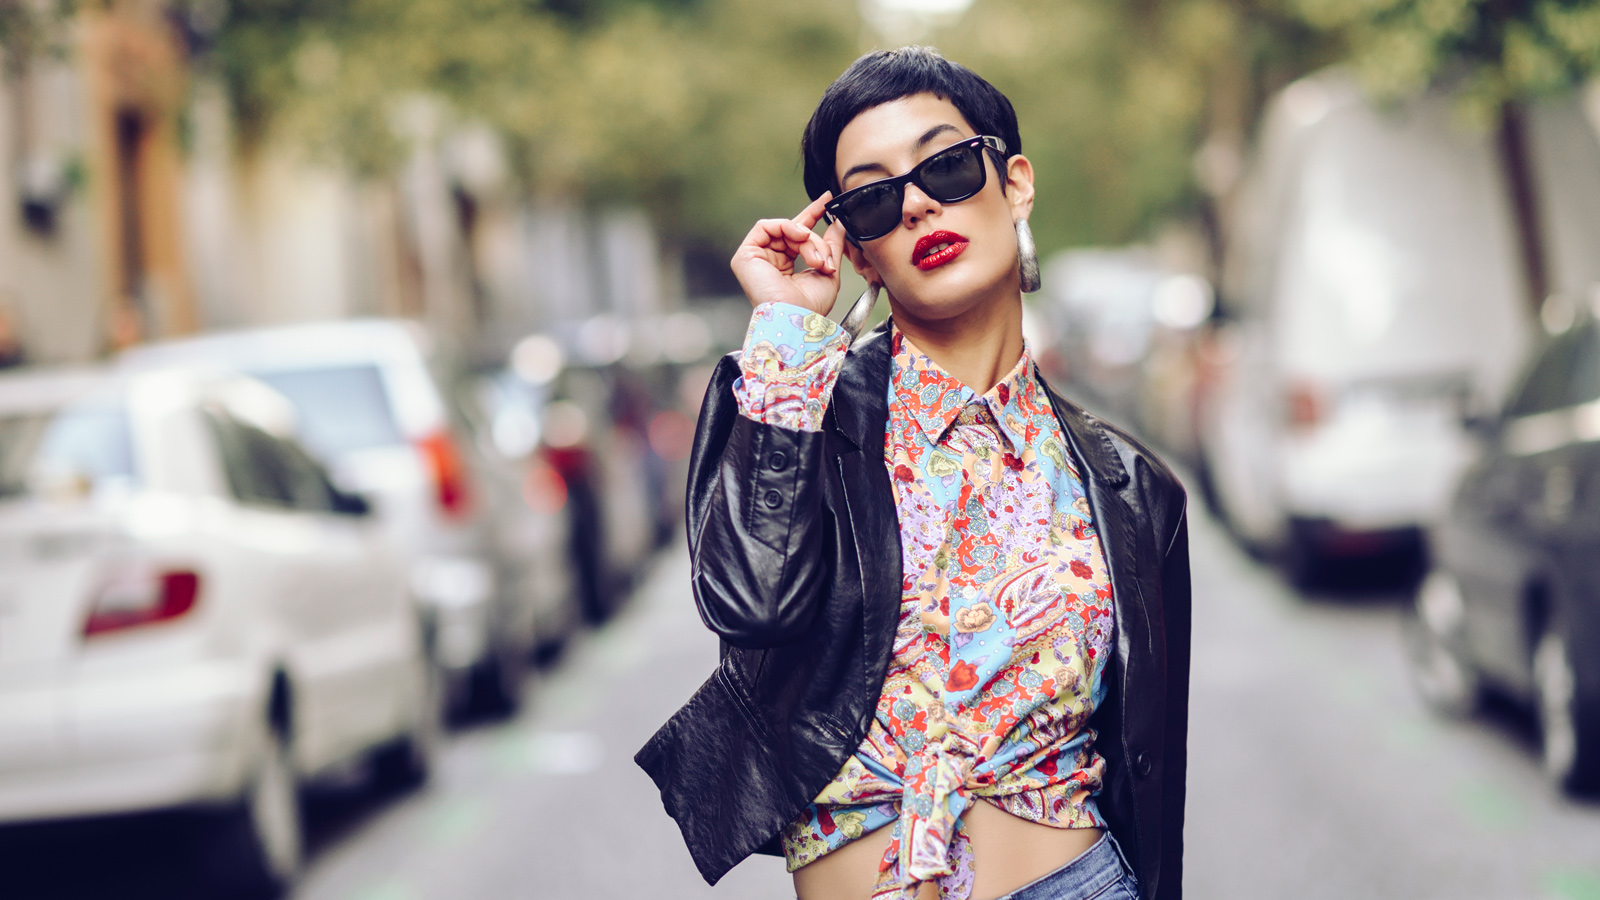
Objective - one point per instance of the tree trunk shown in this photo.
(1517, 166)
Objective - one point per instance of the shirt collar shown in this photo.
(934, 399)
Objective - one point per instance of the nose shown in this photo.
(916, 206)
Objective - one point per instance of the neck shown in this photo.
(977, 348)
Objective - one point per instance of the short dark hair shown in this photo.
(885, 76)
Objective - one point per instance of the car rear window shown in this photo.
(80, 449)
(341, 409)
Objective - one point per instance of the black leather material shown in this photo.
(796, 566)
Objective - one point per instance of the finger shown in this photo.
(781, 232)
(797, 232)
(815, 253)
(806, 243)
(809, 216)
(817, 247)
(834, 238)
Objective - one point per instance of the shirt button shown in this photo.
(778, 461)
(1142, 763)
(774, 499)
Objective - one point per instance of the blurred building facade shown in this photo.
(130, 213)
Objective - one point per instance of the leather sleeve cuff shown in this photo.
(777, 476)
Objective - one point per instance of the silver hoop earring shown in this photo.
(1027, 257)
(856, 318)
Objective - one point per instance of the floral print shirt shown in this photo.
(1005, 615)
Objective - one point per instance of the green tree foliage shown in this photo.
(1110, 100)
(693, 107)
(31, 27)
(1114, 99)
(1501, 50)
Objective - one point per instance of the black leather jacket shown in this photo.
(796, 550)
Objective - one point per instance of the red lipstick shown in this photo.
(936, 249)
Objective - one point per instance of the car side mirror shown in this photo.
(1480, 425)
(350, 504)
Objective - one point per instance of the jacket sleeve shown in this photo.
(756, 511)
(1175, 592)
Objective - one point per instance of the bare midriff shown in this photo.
(1007, 853)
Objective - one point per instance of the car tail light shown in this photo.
(1304, 406)
(544, 490)
(571, 463)
(140, 595)
(449, 474)
(672, 435)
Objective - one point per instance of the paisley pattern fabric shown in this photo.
(1005, 620)
(790, 362)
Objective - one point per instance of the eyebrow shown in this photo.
(927, 137)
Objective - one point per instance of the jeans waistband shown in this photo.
(1093, 871)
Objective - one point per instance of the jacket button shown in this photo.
(778, 461)
(774, 499)
(1142, 763)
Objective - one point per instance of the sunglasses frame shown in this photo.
(898, 182)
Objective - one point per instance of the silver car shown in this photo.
(486, 543)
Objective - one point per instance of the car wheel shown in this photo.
(1568, 720)
(260, 841)
(1444, 678)
(497, 682)
(409, 761)
(1303, 561)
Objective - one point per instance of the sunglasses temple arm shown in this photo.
(857, 317)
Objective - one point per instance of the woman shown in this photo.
(954, 607)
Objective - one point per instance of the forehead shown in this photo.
(888, 134)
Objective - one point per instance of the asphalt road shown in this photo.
(1314, 773)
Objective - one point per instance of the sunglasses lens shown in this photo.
(955, 174)
(951, 175)
(871, 212)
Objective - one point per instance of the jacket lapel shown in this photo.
(859, 415)
(1105, 476)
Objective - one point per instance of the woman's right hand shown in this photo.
(765, 261)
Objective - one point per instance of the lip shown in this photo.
(924, 260)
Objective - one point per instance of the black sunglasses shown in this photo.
(953, 174)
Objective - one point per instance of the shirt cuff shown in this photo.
(790, 362)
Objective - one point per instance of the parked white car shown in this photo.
(488, 550)
(191, 615)
(1375, 288)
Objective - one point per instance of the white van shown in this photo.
(1374, 286)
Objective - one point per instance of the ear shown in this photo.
(1019, 186)
(858, 259)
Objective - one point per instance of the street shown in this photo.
(1314, 773)
(353, 357)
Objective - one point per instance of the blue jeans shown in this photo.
(1101, 873)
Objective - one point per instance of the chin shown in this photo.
(944, 299)
(930, 310)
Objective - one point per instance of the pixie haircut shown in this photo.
(885, 76)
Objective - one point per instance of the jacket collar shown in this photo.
(860, 404)
(1089, 441)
